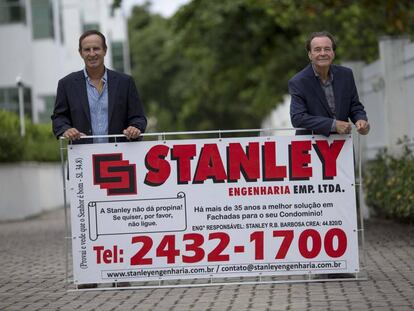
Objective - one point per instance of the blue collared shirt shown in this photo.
(329, 94)
(98, 106)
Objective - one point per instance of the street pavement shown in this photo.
(32, 277)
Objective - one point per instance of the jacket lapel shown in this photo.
(112, 89)
(337, 88)
(316, 86)
(82, 94)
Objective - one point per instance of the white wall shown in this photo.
(372, 96)
(72, 28)
(392, 70)
(15, 56)
(29, 188)
(279, 118)
(45, 75)
(409, 81)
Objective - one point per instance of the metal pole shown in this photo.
(361, 198)
(20, 87)
(65, 208)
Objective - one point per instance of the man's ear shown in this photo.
(310, 55)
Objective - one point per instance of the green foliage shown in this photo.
(231, 76)
(41, 144)
(389, 184)
(224, 64)
(116, 4)
(154, 64)
(38, 144)
(11, 144)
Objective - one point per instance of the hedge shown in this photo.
(38, 144)
(389, 184)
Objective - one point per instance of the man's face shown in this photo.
(321, 53)
(92, 52)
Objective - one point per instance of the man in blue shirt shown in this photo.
(96, 100)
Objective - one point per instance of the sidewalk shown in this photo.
(32, 277)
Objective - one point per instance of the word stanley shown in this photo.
(256, 161)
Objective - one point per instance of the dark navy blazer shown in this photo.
(72, 107)
(309, 108)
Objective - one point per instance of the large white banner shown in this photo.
(213, 208)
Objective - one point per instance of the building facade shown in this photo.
(40, 45)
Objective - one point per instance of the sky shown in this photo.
(164, 7)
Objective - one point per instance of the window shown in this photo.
(49, 104)
(117, 49)
(9, 100)
(90, 26)
(12, 11)
(42, 19)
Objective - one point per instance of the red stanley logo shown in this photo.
(114, 174)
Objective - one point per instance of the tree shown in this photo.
(154, 64)
(238, 66)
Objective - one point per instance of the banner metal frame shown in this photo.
(203, 282)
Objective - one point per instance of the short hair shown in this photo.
(320, 34)
(89, 33)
